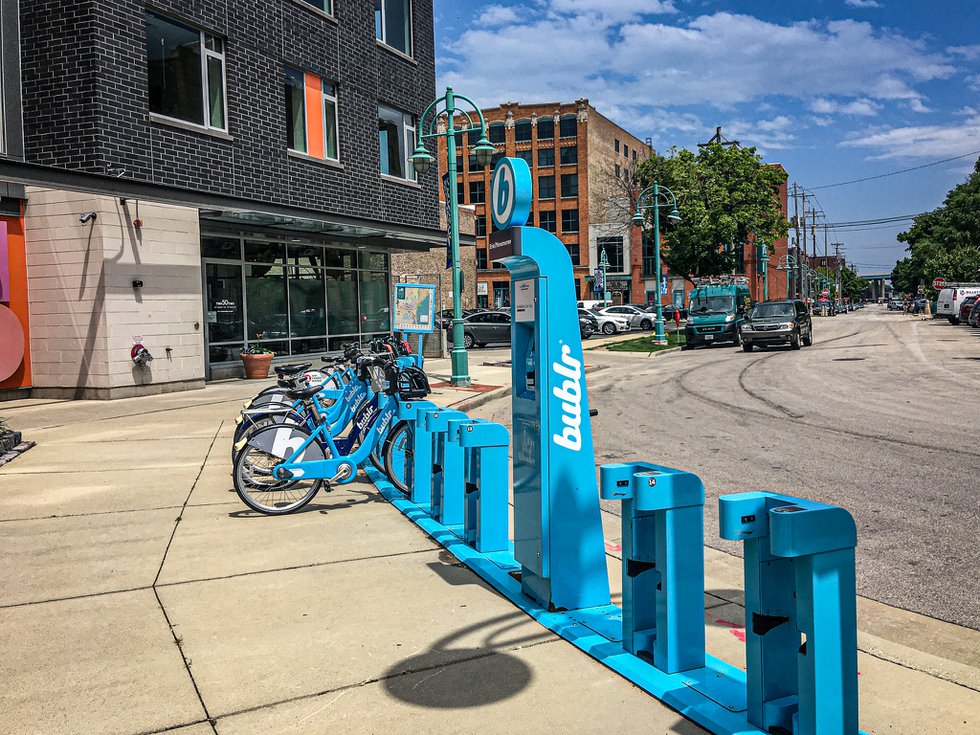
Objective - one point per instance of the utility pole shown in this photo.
(796, 240)
(813, 235)
(804, 275)
(837, 247)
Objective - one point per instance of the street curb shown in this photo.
(637, 353)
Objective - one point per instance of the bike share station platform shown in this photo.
(800, 599)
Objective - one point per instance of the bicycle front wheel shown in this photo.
(254, 480)
(399, 455)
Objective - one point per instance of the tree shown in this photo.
(944, 242)
(724, 193)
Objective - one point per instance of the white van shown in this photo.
(952, 296)
(594, 305)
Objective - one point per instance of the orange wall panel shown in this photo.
(17, 260)
(314, 115)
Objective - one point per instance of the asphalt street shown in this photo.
(878, 416)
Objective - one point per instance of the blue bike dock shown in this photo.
(800, 600)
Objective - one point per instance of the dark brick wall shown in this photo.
(86, 101)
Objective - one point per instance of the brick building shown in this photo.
(197, 175)
(576, 156)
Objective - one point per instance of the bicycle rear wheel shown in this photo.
(257, 486)
(399, 455)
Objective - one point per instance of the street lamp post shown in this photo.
(422, 160)
(654, 193)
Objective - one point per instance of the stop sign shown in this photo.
(825, 292)
(939, 284)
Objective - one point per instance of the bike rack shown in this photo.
(419, 471)
(663, 562)
(446, 483)
(487, 479)
(800, 609)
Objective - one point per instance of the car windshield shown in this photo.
(711, 305)
(772, 311)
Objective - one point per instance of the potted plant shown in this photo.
(256, 360)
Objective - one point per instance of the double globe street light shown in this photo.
(658, 196)
(422, 161)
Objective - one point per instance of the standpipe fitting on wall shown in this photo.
(140, 355)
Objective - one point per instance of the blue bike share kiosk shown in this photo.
(557, 525)
(800, 676)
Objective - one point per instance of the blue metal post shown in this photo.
(663, 562)
(447, 466)
(419, 470)
(487, 485)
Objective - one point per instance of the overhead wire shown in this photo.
(893, 173)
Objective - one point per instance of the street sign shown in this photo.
(922, 289)
(825, 292)
(939, 283)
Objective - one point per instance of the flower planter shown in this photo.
(257, 366)
(9, 440)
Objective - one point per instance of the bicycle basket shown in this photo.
(412, 383)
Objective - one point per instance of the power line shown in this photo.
(894, 173)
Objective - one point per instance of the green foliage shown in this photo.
(944, 242)
(724, 193)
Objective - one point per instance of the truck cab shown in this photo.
(717, 310)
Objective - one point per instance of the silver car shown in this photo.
(638, 318)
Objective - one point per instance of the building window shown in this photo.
(546, 156)
(568, 126)
(393, 24)
(569, 185)
(569, 155)
(325, 5)
(480, 225)
(311, 115)
(527, 156)
(481, 259)
(573, 254)
(186, 73)
(501, 294)
(569, 220)
(473, 164)
(546, 128)
(626, 151)
(497, 133)
(546, 221)
(460, 191)
(634, 154)
(522, 131)
(616, 144)
(546, 187)
(618, 171)
(396, 136)
(478, 192)
(459, 164)
(613, 245)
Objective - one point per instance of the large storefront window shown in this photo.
(292, 298)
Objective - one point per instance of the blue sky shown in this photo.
(835, 90)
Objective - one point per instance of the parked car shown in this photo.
(639, 318)
(587, 323)
(783, 322)
(668, 311)
(950, 298)
(444, 318)
(482, 328)
(974, 318)
(895, 305)
(593, 304)
(608, 323)
(966, 306)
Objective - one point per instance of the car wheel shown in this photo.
(646, 324)
(747, 346)
(468, 341)
(808, 339)
(737, 339)
(954, 320)
(794, 343)
(609, 328)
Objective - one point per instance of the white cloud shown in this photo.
(863, 106)
(970, 53)
(722, 59)
(974, 82)
(766, 135)
(919, 141)
(821, 122)
(497, 15)
(863, 3)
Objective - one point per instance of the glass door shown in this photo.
(224, 312)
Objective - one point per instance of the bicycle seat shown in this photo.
(290, 369)
(303, 394)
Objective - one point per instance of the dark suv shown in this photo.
(784, 322)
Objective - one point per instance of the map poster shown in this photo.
(415, 306)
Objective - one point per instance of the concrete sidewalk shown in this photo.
(139, 595)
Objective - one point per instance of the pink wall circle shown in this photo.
(12, 342)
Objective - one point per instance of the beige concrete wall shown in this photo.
(85, 312)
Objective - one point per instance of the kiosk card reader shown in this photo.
(557, 526)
